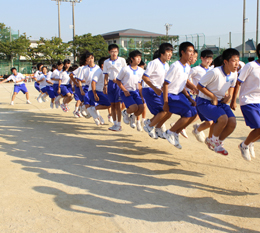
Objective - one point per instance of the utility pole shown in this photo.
(230, 44)
(168, 27)
(58, 2)
(243, 36)
(257, 18)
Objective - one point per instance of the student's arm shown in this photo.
(48, 81)
(93, 86)
(140, 88)
(193, 103)
(4, 81)
(233, 103)
(59, 91)
(72, 77)
(208, 93)
(165, 96)
(148, 82)
(80, 87)
(191, 86)
(105, 84)
(228, 96)
(121, 86)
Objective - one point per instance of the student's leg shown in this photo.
(118, 111)
(253, 136)
(132, 109)
(229, 128)
(220, 125)
(139, 110)
(164, 119)
(27, 95)
(157, 118)
(204, 125)
(211, 130)
(14, 95)
(113, 111)
(144, 112)
(181, 124)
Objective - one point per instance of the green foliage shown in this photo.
(95, 44)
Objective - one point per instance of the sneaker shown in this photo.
(252, 149)
(220, 149)
(150, 131)
(63, 107)
(183, 133)
(83, 113)
(147, 122)
(172, 138)
(132, 121)
(163, 128)
(67, 107)
(39, 99)
(110, 118)
(75, 114)
(12, 103)
(52, 105)
(208, 143)
(88, 116)
(115, 128)
(97, 121)
(200, 136)
(245, 152)
(57, 104)
(100, 118)
(159, 133)
(125, 117)
(43, 99)
(139, 126)
(28, 102)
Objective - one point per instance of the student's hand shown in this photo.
(59, 91)
(126, 93)
(96, 97)
(105, 90)
(214, 101)
(193, 103)
(143, 100)
(166, 107)
(195, 91)
(233, 105)
(226, 99)
(114, 80)
(158, 91)
(82, 93)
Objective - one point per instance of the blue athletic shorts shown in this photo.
(113, 92)
(251, 113)
(180, 105)
(77, 94)
(44, 90)
(103, 100)
(153, 101)
(36, 85)
(201, 116)
(55, 89)
(65, 89)
(50, 92)
(134, 98)
(21, 88)
(213, 112)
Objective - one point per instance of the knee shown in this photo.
(232, 122)
(140, 108)
(223, 120)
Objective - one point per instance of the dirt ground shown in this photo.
(63, 174)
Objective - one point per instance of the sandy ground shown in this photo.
(63, 174)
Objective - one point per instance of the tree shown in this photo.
(11, 48)
(94, 44)
(49, 51)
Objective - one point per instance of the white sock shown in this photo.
(119, 123)
(40, 95)
(76, 109)
(215, 139)
(115, 122)
(196, 131)
(44, 95)
(244, 145)
(138, 121)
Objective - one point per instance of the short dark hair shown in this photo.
(66, 61)
(258, 50)
(206, 53)
(59, 63)
(112, 46)
(13, 69)
(250, 59)
(101, 61)
(53, 67)
(218, 61)
(73, 67)
(133, 54)
(196, 51)
(228, 53)
(45, 67)
(156, 54)
(88, 54)
(165, 47)
(39, 65)
(141, 63)
(184, 45)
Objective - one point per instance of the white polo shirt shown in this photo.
(43, 83)
(112, 68)
(217, 82)
(98, 77)
(177, 77)
(156, 71)
(130, 78)
(37, 74)
(49, 74)
(87, 74)
(250, 84)
(64, 77)
(55, 74)
(197, 73)
(16, 78)
(77, 72)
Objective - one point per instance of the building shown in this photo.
(124, 37)
(250, 48)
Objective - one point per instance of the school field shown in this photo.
(63, 174)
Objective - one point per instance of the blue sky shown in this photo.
(39, 18)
